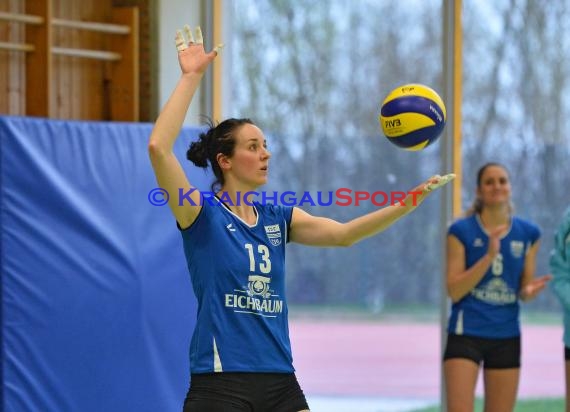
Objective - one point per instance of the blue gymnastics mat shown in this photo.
(97, 307)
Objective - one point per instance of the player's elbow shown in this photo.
(156, 150)
(342, 237)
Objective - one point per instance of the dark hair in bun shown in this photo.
(217, 139)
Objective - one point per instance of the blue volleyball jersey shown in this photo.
(238, 276)
(491, 309)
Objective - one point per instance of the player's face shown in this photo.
(250, 161)
(495, 187)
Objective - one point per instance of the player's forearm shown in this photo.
(171, 118)
(462, 283)
(524, 294)
(375, 222)
(378, 221)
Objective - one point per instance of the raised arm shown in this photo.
(320, 231)
(170, 176)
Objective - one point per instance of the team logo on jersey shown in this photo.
(517, 248)
(273, 233)
(477, 242)
(258, 286)
(257, 298)
(495, 292)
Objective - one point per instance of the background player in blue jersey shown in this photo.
(490, 266)
(560, 268)
(240, 354)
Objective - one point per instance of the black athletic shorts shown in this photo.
(494, 353)
(567, 353)
(244, 392)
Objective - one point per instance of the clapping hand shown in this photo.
(534, 287)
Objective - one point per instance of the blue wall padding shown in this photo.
(97, 306)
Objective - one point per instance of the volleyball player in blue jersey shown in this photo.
(240, 353)
(490, 266)
(560, 268)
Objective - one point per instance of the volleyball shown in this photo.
(412, 116)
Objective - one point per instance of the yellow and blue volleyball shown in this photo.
(412, 116)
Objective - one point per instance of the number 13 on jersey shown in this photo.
(263, 259)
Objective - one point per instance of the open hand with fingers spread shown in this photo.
(435, 182)
(191, 53)
(438, 181)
